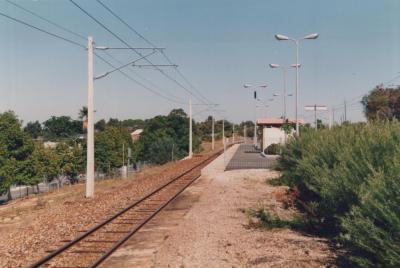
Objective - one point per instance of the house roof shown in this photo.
(277, 121)
(137, 132)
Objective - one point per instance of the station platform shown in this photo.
(246, 157)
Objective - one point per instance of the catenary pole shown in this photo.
(244, 133)
(190, 129)
(89, 193)
(255, 118)
(223, 131)
(212, 132)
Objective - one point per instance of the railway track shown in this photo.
(94, 246)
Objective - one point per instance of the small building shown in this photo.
(272, 131)
(50, 144)
(136, 134)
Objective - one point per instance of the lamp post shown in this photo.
(255, 107)
(281, 37)
(274, 66)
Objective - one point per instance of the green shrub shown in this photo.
(273, 149)
(349, 187)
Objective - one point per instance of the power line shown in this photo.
(144, 78)
(134, 50)
(82, 46)
(151, 44)
(42, 30)
(139, 83)
(46, 20)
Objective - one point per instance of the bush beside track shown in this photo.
(347, 180)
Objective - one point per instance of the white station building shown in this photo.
(272, 131)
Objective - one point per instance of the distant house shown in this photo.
(272, 131)
(136, 134)
(50, 144)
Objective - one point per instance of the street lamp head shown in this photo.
(295, 65)
(273, 65)
(275, 94)
(290, 94)
(101, 47)
(281, 37)
(311, 36)
(264, 85)
(247, 85)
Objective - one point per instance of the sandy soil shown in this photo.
(206, 227)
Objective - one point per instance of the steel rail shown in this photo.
(73, 242)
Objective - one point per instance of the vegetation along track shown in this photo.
(93, 246)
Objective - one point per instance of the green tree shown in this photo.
(61, 127)
(34, 129)
(108, 148)
(382, 104)
(167, 135)
(16, 147)
(83, 113)
(100, 125)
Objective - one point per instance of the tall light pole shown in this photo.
(255, 108)
(281, 37)
(272, 65)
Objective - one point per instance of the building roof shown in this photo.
(277, 121)
(137, 132)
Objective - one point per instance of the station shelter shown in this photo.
(272, 131)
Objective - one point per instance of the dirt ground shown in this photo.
(206, 227)
(31, 226)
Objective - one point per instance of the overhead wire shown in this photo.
(79, 45)
(133, 49)
(42, 30)
(153, 45)
(46, 20)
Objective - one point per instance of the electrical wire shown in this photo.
(82, 46)
(137, 82)
(177, 100)
(153, 45)
(133, 49)
(42, 30)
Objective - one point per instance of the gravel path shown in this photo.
(206, 227)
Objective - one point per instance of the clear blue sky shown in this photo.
(218, 45)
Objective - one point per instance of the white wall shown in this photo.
(272, 135)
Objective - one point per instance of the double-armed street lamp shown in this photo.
(281, 37)
(255, 107)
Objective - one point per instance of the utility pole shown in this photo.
(330, 120)
(345, 111)
(89, 191)
(244, 133)
(315, 116)
(212, 133)
(255, 118)
(233, 133)
(333, 116)
(223, 131)
(123, 154)
(316, 108)
(190, 129)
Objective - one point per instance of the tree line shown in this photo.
(45, 151)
